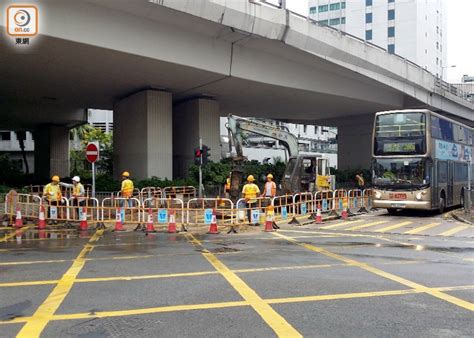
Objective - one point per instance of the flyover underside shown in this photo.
(61, 75)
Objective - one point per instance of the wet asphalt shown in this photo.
(323, 283)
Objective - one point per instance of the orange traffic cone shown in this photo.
(149, 224)
(213, 227)
(118, 220)
(41, 218)
(344, 213)
(319, 219)
(83, 224)
(18, 219)
(269, 219)
(172, 222)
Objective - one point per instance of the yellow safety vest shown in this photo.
(52, 192)
(127, 188)
(78, 191)
(227, 184)
(250, 192)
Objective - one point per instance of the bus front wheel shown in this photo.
(392, 211)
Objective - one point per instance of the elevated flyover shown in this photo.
(173, 67)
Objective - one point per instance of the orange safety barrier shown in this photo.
(200, 211)
(283, 207)
(165, 210)
(129, 210)
(253, 213)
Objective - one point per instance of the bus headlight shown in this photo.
(419, 196)
(378, 194)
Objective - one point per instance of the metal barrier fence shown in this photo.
(162, 208)
(194, 211)
(253, 212)
(199, 211)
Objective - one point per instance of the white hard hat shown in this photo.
(76, 179)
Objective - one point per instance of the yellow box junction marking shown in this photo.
(189, 274)
(363, 226)
(422, 228)
(192, 274)
(279, 324)
(212, 306)
(454, 230)
(392, 227)
(433, 292)
(46, 310)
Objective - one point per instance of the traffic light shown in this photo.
(205, 154)
(197, 156)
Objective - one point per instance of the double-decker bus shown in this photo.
(420, 160)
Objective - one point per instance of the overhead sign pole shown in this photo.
(92, 155)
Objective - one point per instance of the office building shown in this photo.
(413, 29)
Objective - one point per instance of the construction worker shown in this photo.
(269, 190)
(52, 194)
(227, 186)
(127, 187)
(250, 192)
(360, 180)
(78, 193)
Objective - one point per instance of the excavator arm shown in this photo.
(240, 126)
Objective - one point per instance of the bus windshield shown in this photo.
(400, 134)
(400, 173)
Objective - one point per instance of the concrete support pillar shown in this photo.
(192, 120)
(143, 135)
(52, 152)
(354, 142)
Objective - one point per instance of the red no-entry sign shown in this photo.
(92, 152)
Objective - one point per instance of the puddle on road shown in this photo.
(13, 311)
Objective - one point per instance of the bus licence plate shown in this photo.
(398, 205)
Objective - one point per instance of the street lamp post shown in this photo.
(443, 67)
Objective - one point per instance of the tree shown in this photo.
(86, 134)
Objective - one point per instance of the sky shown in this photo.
(460, 35)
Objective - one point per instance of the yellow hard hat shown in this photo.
(55, 178)
(270, 176)
(125, 174)
(250, 178)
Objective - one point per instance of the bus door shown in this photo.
(434, 185)
(450, 183)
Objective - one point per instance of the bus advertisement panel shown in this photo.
(451, 151)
